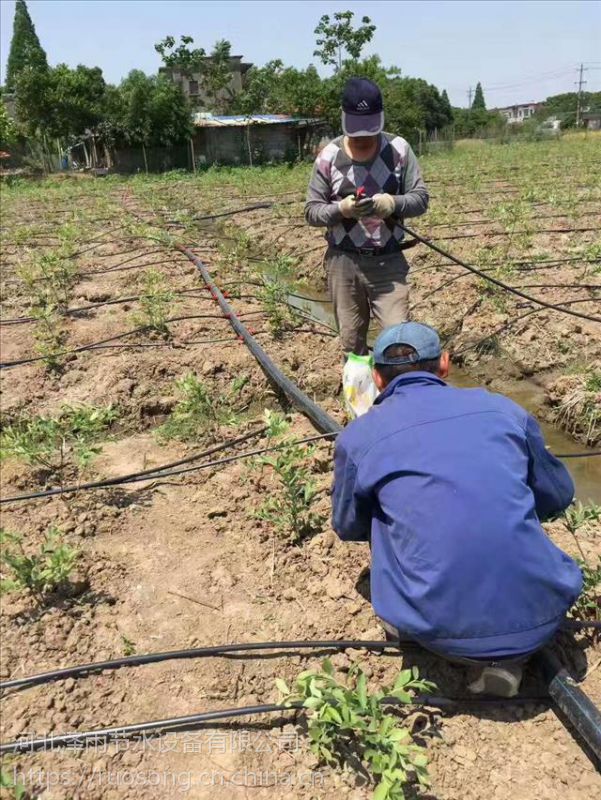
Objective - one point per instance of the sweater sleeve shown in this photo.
(413, 202)
(320, 211)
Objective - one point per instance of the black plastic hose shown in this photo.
(196, 652)
(52, 741)
(158, 473)
(497, 282)
(233, 212)
(317, 415)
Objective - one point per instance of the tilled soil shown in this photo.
(187, 561)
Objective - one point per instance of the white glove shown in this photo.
(384, 205)
(355, 209)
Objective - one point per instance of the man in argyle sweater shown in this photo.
(363, 184)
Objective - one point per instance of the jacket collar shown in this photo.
(416, 378)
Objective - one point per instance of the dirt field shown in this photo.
(191, 560)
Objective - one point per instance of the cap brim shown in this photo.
(365, 125)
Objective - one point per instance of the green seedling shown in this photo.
(290, 510)
(156, 302)
(349, 724)
(129, 646)
(588, 605)
(48, 442)
(280, 315)
(49, 336)
(198, 412)
(41, 572)
(12, 786)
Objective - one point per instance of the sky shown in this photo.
(521, 51)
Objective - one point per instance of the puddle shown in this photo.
(586, 472)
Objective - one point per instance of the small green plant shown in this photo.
(588, 605)
(348, 723)
(290, 509)
(197, 412)
(129, 646)
(41, 572)
(280, 315)
(12, 785)
(49, 336)
(48, 441)
(156, 302)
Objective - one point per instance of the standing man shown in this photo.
(449, 487)
(363, 184)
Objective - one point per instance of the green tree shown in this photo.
(60, 101)
(184, 58)
(25, 48)
(337, 36)
(147, 110)
(275, 88)
(563, 106)
(478, 101)
(8, 133)
(216, 76)
(446, 104)
(213, 71)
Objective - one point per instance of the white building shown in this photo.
(519, 113)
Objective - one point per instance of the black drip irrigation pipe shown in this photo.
(233, 212)
(159, 473)
(69, 312)
(174, 724)
(95, 345)
(581, 712)
(497, 282)
(317, 415)
(148, 474)
(196, 652)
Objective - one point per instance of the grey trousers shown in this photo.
(364, 285)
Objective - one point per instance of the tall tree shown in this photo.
(25, 48)
(213, 71)
(337, 36)
(446, 104)
(478, 101)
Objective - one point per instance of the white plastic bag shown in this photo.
(358, 385)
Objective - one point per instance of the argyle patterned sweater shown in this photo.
(393, 170)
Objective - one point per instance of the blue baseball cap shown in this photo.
(422, 338)
(362, 108)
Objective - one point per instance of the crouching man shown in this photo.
(449, 487)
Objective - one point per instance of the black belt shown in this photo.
(376, 251)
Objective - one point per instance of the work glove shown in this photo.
(383, 206)
(351, 208)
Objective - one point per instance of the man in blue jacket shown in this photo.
(449, 487)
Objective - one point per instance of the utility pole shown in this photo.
(469, 97)
(579, 83)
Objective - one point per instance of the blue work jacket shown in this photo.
(450, 486)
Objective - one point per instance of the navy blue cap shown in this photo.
(422, 338)
(362, 108)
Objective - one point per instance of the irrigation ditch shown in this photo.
(177, 551)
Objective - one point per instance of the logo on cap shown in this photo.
(363, 106)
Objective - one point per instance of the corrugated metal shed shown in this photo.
(203, 119)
